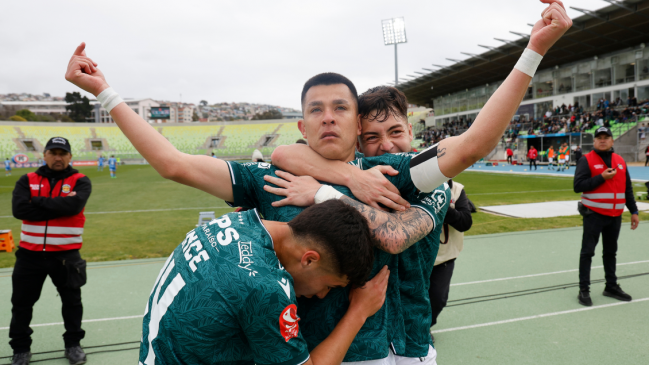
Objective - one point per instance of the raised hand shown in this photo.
(83, 72)
(554, 23)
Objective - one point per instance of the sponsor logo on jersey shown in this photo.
(263, 165)
(288, 322)
(245, 257)
(65, 189)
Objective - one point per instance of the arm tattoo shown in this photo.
(441, 152)
(394, 232)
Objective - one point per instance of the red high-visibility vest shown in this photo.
(532, 154)
(59, 234)
(608, 198)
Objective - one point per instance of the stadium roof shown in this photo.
(621, 25)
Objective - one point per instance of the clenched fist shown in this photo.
(83, 72)
(553, 24)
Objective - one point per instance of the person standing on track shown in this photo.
(112, 166)
(646, 152)
(510, 155)
(562, 156)
(50, 202)
(551, 155)
(532, 154)
(604, 181)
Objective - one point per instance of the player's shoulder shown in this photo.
(395, 160)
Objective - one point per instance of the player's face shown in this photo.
(394, 135)
(57, 159)
(330, 123)
(603, 142)
(318, 284)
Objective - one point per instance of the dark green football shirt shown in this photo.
(223, 297)
(416, 265)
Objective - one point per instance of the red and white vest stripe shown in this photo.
(609, 198)
(59, 234)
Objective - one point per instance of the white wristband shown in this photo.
(529, 62)
(326, 192)
(109, 99)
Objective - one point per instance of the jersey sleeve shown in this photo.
(244, 189)
(400, 162)
(271, 326)
(435, 203)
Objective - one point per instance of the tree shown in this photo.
(26, 114)
(270, 114)
(195, 117)
(203, 102)
(79, 108)
(17, 118)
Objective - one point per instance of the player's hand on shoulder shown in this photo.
(554, 23)
(369, 299)
(83, 72)
(372, 187)
(298, 190)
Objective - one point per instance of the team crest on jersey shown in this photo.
(620, 166)
(437, 199)
(263, 165)
(288, 326)
(65, 189)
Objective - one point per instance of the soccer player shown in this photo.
(384, 130)
(228, 292)
(551, 155)
(112, 166)
(7, 167)
(563, 150)
(331, 126)
(100, 163)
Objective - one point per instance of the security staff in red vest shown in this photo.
(604, 181)
(50, 202)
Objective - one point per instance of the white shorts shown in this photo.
(562, 160)
(550, 159)
(385, 361)
(430, 359)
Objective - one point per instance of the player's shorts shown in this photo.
(390, 360)
(550, 159)
(430, 359)
(561, 160)
(112, 169)
(8, 168)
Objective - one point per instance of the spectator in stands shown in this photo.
(510, 155)
(642, 132)
(532, 154)
(49, 201)
(457, 221)
(604, 181)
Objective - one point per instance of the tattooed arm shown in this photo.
(392, 232)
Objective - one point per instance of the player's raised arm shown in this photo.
(453, 155)
(202, 172)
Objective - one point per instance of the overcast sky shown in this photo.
(253, 51)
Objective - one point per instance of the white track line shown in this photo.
(542, 274)
(140, 211)
(84, 321)
(538, 316)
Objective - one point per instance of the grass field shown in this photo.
(140, 215)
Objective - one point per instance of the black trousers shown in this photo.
(27, 281)
(647, 161)
(509, 159)
(440, 283)
(533, 161)
(594, 225)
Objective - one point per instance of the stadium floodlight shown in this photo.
(394, 32)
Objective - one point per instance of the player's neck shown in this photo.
(283, 241)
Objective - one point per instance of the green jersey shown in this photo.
(416, 263)
(223, 297)
(319, 317)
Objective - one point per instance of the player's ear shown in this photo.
(359, 128)
(302, 128)
(310, 258)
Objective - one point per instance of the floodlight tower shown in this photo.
(394, 32)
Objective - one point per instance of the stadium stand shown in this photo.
(226, 140)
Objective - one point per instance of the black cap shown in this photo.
(58, 142)
(603, 130)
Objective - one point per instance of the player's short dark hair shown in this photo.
(379, 102)
(329, 78)
(343, 233)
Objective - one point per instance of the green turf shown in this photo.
(133, 235)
